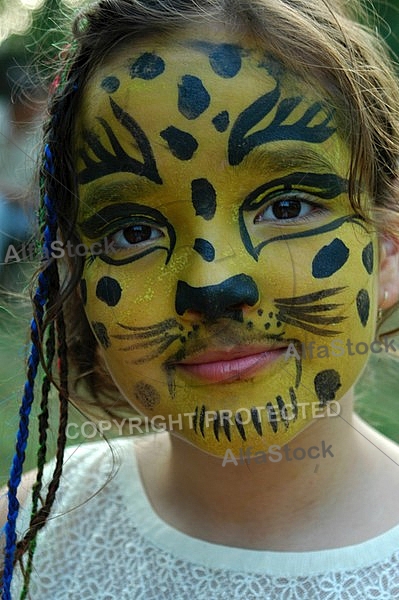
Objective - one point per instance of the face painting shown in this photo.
(232, 268)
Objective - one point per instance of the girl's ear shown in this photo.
(388, 273)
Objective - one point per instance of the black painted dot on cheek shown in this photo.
(193, 98)
(225, 60)
(147, 66)
(326, 384)
(109, 291)
(101, 333)
(203, 196)
(221, 121)
(329, 259)
(146, 395)
(181, 144)
(110, 84)
(363, 306)
(368, 258)
(83, 291)
(204, 249)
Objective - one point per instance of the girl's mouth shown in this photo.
(216, 366)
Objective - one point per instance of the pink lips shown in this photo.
(218, 366)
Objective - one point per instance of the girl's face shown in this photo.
(232, 288)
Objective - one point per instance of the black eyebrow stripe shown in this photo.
(98, 223)
(120, 161)
(325, 185)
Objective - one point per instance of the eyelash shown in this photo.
(129, 245)
(300, 197)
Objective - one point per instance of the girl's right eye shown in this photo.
(134, 236)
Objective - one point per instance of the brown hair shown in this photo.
(316, 39)
(313, 39)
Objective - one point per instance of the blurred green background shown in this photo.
(32, 27)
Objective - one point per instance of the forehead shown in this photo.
(197, 102)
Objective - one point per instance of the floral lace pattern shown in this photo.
(97, 551)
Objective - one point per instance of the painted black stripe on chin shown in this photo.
(272, 416)
(202, 420)
(240, 426)
(283, 411)
(256, 421)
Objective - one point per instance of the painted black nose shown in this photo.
(226, 299)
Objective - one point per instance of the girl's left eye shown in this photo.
(134, 235)
(286, 209)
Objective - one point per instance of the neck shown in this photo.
(287, 505)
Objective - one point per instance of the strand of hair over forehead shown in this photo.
(47, 287)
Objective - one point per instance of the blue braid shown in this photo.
(40, 298)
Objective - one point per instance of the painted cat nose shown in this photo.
(226, 299)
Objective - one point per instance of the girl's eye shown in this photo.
(134, 235)
(286, 209)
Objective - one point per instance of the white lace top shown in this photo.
(114, 547)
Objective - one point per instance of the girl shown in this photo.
(219, 220)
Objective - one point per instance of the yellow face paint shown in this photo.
(234, 293)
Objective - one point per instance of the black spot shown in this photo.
(181, 144)
(83, 291)
(221, 121)
(193, 98)
(368, 258)
(109, 291)
(225, 60)
(204, 249)
(260, 311)
(101, 334)
(146, 395)
(326, 384)
(110, 84)
(330, 259)
(147, 66)
(203, 198)
(267, 325)
(363, 306)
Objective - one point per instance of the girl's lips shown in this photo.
(215, 367)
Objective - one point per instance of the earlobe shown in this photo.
(388, 273)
